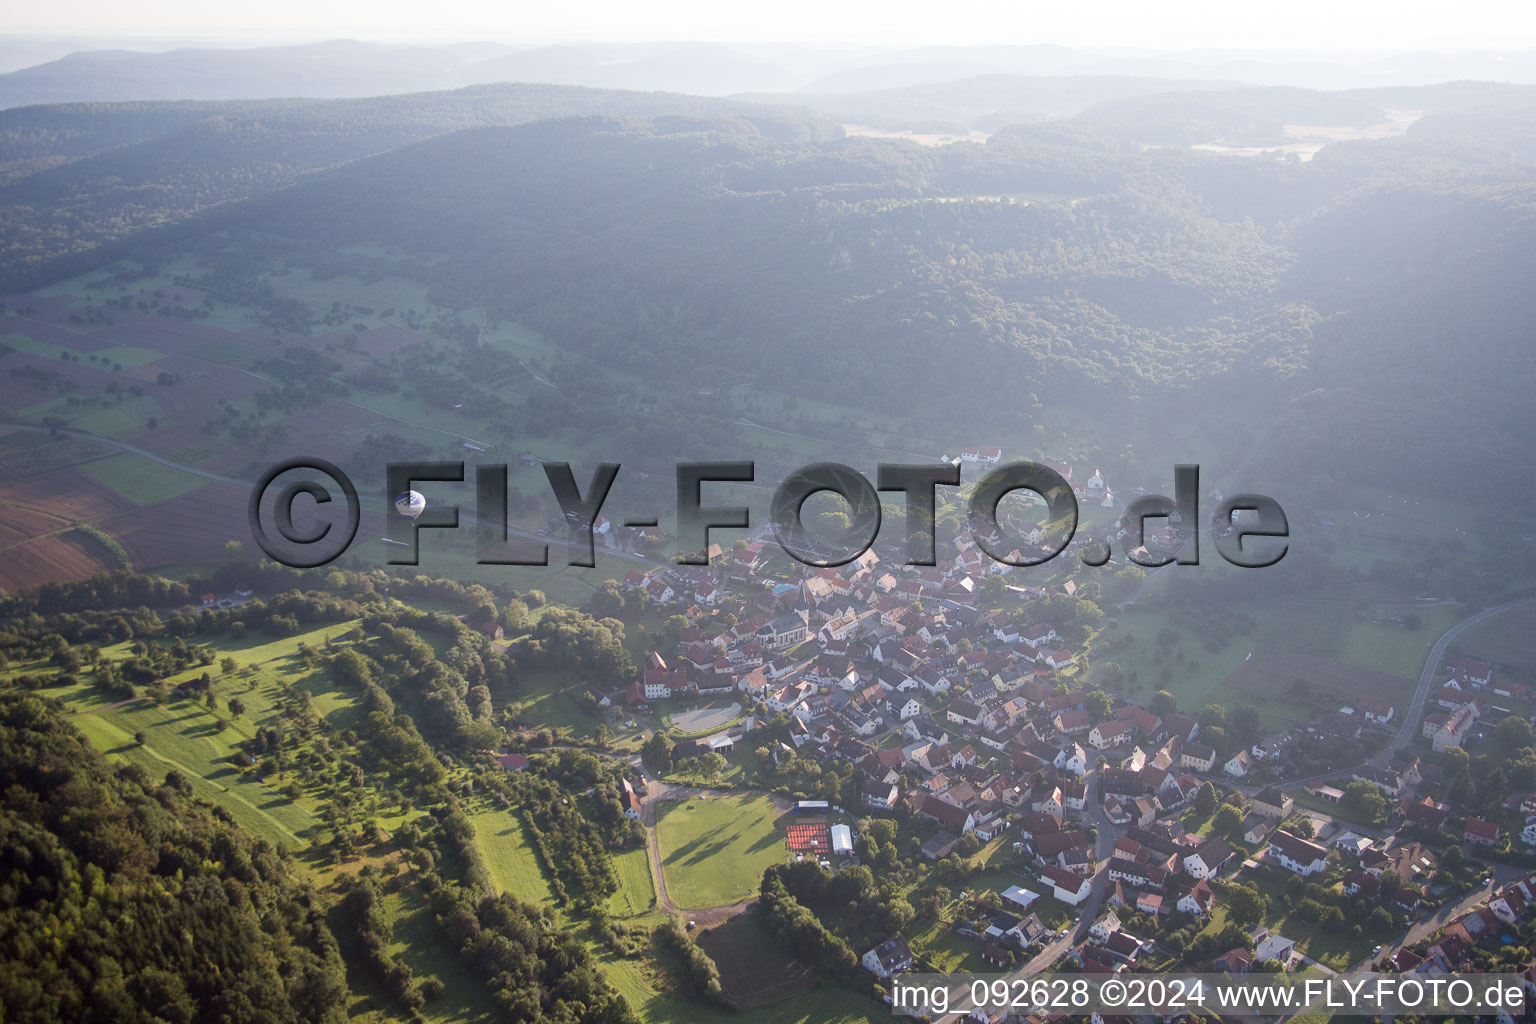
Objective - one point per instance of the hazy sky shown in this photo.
(1366, 25)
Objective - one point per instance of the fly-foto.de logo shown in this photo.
(1248, 530)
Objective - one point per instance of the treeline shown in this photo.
(699, 969)
(534, 970)
(368, 929)
(574, 851)
(128, 900)
(797, 929)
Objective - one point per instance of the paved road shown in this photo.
(1088, 911)
(1409, 728)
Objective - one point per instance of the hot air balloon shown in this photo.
(410, 504)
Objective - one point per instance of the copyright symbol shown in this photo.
(1112, 992)
(312, 549)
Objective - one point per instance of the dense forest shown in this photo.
(125, 899)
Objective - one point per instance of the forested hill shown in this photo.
(1098, 263)
(1055, 262)
(75, 176)
(111, 872)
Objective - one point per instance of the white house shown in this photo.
(1297, 854)
(1068, 887)
(1198, 900)
(1207, 859)
(982, 454)
(890, 957)
(1273, 947)
(1240, 764)
(1110, 734)
(1107, 924)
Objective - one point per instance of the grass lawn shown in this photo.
(714, 851)
(945, 951)
(637, 891)
(548, 699)
(140, 480)
(510, 857)
(1336, 948)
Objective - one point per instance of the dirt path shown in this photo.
(659, 792)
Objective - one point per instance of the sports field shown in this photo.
(714, 851)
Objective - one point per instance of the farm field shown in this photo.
(140, 480)
(1272, 670)
(1507, 640)
(754, 970)
(1353, 654)
(714, 851)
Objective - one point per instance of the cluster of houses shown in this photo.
(973, 720)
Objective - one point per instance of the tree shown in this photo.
(1099, 704)
(656, 752)
(1364, 802)
(1228, 820)
(1246, 906)
(1163, 703)
(236, 706)
(1243, 724)
(710, 764)
(1300, 825)
(1205, 800)
(140, 738)
(1513, 733)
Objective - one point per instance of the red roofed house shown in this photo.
(1484, 833)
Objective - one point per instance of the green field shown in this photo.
(182, 737)
(1322, 628)
(827, 1004)
(128, 416)
(126, 355)
(514, 866)
(140, 480)
(945, 951)
(184, 734)
(637, 892)
(714, 851)
(1336, 948)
